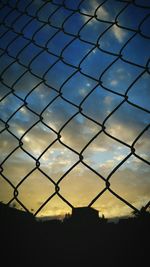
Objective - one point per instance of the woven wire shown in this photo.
(7, 8)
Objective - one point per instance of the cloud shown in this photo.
(7, 143)
(119, 157)
(113, 82)
(135, 186)
(131, 185)
(105, 15)
(125, 124)
(102, 12)
(83, 92)
(119, 33)
(75, 187)
(108, 100)
(78, 132)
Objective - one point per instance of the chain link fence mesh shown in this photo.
(29, 32)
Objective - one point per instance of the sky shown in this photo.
(74, 108)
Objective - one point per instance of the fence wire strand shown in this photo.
(12, 12)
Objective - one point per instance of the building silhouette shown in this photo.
(11, 214)
(85, 215)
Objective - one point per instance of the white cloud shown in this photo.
(108, 100)
(108, 162)
(98, 149)
(83, 92)
(24, 110)
(113, 82)
(88, 84)
(106, 167)
(20, 131)
(101, 12)
(119, 157)
(118, 33)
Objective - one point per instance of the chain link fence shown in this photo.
(36, 37)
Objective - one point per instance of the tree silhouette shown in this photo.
(143, 213)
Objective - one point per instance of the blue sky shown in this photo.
(75, 65)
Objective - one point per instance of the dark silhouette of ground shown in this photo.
(28, 242)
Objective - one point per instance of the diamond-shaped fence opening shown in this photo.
(74, 105)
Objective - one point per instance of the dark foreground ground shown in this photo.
(26, 242)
